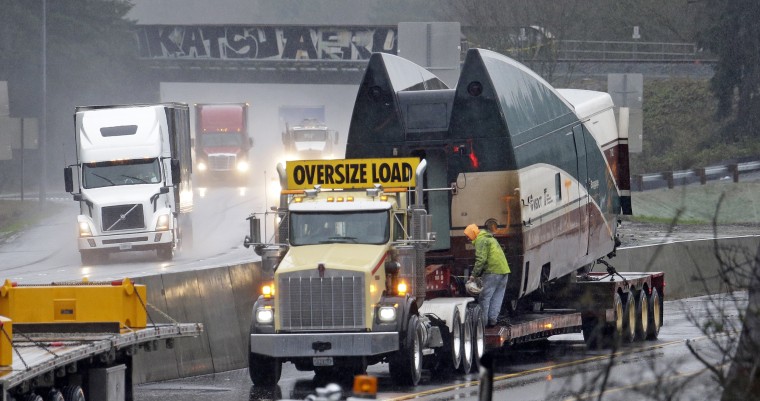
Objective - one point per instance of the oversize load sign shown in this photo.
(352, 173)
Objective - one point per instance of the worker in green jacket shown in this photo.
(492, 268)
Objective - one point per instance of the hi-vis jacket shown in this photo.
(489, 258)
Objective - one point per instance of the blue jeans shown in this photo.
(491, 297)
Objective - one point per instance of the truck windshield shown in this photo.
(310, 136)
(229, 139)
(354, 227)
(121, 172)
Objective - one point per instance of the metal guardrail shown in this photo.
(642, 182)
(589, 50)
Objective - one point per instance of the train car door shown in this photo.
(583, 180)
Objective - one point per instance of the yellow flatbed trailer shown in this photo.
(75, 341)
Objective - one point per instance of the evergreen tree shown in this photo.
(91, 58)
(732, 32)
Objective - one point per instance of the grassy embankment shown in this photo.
(16, 215)
(724, 201)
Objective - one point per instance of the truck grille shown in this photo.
(333, 302)
(221, 162)
(132, 217)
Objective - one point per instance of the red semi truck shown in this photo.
(222, 142)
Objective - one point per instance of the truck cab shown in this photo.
(222, 142)
(309, 139)
(348, 277)
(133, 179)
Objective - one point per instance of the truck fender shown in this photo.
(444, 308)
(407, 308)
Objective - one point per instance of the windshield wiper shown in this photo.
(104, 178)
(135, 178)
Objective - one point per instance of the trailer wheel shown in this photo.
(642, 315)
(32, 397)
(629, 319)
(467, 346)
(478, 336)
(655, 315)
(54, 395)
(593, 331)
(451, 356)
(406, 364)
(73, 393)
(264, 370)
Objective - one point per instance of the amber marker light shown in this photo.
(267, 290)
(402, 288)
(365, 386)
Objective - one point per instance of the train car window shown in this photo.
(557, 187)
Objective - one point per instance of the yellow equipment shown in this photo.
(75, 302)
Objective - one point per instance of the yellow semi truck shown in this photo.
(349, 278)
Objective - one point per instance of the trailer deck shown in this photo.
(41, 353)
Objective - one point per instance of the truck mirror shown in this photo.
(77, 197)
(175, 171)
(163, 190)
(68, 179)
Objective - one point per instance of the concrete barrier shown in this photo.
(221, 298)
(694, 268)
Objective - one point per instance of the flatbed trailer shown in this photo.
(43, 359)
(607, 307)
(75, 341)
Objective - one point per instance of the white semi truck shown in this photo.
(133, 176)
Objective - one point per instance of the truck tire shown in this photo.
(467, 360)
(165, 252)
(642, 315)
(32, 397)
(406, 364)
(478, 327)
(629, 319)
(54, 395)
(88, 257)
(451, 356)
(186, 232)
(73, 393)
(655, 315)
(264, 370)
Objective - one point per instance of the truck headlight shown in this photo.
(386, 314)
(242, 166)
(264, 315)
(163, 222)
(201, 166)
(84, 229)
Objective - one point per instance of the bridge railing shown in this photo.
(589, 50)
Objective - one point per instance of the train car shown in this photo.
(548, 165)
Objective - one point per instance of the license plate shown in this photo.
(125, 247)
(323, 361)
